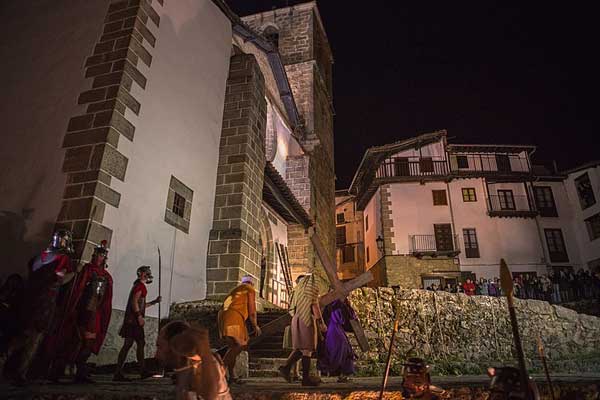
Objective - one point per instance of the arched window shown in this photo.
(271, 33)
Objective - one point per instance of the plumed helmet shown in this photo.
(62, 240)
(145, 269)
(101, 249)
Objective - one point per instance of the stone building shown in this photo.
(349, 236)
(173, 125)
(436, 212)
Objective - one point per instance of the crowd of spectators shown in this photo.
(558, 287)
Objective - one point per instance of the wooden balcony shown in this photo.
(409, 170)
(432, 246)
(510, 206)
(500, 166)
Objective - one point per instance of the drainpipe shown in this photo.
(541, 235)
(455, 235)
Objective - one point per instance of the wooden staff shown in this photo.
(389, 358)
(159, 283)
(506, 283)
(543, 358)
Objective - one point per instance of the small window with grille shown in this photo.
(179, 205)
(439, 198)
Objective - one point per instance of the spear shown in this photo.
(160, 374)
(159, 282)
(506, 283)
(76, 276)
(543, 357)
(389, 358)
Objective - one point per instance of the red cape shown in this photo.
(69, 326)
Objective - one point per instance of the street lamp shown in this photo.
(379, 241)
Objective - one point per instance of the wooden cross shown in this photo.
(340, 291)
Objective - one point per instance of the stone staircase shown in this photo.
(268, 355)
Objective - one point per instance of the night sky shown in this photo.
(485, 73)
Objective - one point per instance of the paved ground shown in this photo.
(259, 388)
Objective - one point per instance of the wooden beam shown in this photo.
(347, 287)
(328, 264)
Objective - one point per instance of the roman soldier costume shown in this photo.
(86, 317)
(46, 275)
(132, 329)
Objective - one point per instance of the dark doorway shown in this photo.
(443, 237)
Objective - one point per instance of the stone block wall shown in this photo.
(406, 271)
(234, 248)
(387, 223)
(461, 334)
(92, 158)
(305, 52)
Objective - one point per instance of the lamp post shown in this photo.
(380, 247)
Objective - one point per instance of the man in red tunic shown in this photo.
(86, 317)
(133, 323)
(47, 273)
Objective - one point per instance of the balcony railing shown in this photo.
(431, 245)
(503, 205)
(350, 259)
(492, 164)
(401, 168)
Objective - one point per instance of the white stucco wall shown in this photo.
(372, 212)
(566, 222)
(286, 145)
(514, 239)
(42, 73)
(590, 250)
(177, 133)
(413, 212)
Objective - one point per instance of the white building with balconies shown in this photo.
(436, 212)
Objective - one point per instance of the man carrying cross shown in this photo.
(306, 320)
(340, 291)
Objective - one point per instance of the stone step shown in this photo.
(269, 367)
(268, 344)
(269, 353)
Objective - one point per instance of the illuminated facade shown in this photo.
(443, 212)
(349, 237)
(172, 125)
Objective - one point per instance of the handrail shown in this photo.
(508, 203)
(429, 244)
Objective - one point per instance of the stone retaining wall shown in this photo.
(113, 342)
(459, 334)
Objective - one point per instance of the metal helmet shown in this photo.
(506, 385)
(102, 250)
(62, 240)
(145, 269)
(416, 378)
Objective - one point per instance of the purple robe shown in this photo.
(335, 352)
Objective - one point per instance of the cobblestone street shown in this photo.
(465, 387)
